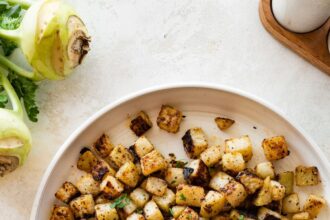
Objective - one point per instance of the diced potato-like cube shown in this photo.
(224, 123)
(233, 162)
(61, 213)
(152, 162)
(275, 148)
(143, 184)
(177, 210)
(83, 206)
(219, 181)
(194, 142)
(241, 145)
(250, 181)
(197, 173)
(130, 207)
(87, 185)
(106, 212)
(264, 214)
(67, 192)
(165, 201)
(227, 207)
(101, 199)
(156, 186)
(278, 190)
(111, 187)
(235, 215)
(188, 214)
(286, 179)
(141, 123)
(212, 204)
(152, 212)
(212, 155)
(143, 146)
(307, 176)
(135, 216)
(169, 119)
(86, 160)
(265, 169)
(174, 176)
(221, 217)
(291, 204)
(188, 195)
(264, 196)
(128, 174)
(140, 197)
(301, 216)
(234, 192)
(103, 146)
(313, 205)
(120, 155)
(100, 169)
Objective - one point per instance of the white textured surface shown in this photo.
(137, 44)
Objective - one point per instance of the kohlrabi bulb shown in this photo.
(15, 137)
(52, 37)
(15, 141)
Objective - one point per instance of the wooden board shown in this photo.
(312, 46)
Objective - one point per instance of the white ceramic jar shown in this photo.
(301, 16)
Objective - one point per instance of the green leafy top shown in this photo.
(3, 98)
(26, 89)
(10, 18)
(120, 202)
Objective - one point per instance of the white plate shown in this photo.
(200, 104)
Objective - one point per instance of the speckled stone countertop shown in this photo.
(137, 44)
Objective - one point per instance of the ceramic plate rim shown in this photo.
(158, 88)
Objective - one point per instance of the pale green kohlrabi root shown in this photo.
(15, 137)
(53, 39)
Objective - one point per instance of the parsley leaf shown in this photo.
(241, 217)
(120, 202)
(26, 89)
(182, 197)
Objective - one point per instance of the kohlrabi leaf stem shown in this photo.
(13, 35)
(22, 3)
(4, 61)
(15, 102)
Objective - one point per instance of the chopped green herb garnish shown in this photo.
(180, 164)
(120, 202)
(173, 181)
(171, 212)
(182, 197)
(241, 217)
